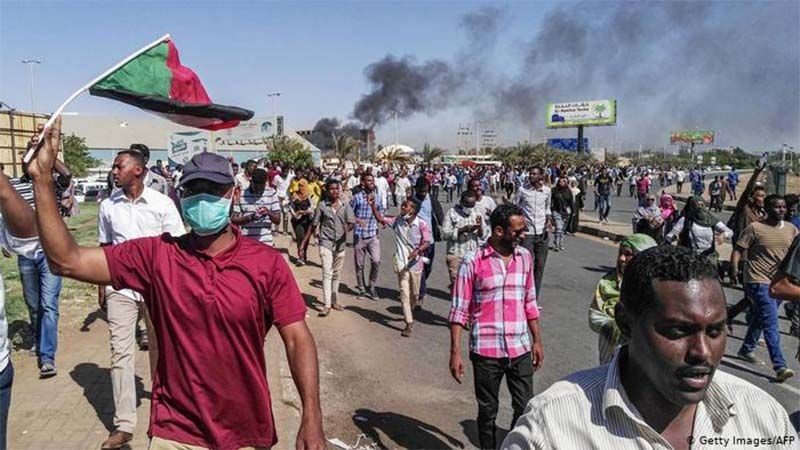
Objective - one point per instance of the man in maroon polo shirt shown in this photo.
(212, 296)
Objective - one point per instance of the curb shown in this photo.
(601, 233)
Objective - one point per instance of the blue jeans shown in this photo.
(426, 272)
(603, 205)
(764, 318)
(6, 378)
(41, 290)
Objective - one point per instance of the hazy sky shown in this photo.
(730, 66)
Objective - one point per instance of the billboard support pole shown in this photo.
(580, 139)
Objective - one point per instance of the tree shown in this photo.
(344, 146)
(599, 109)
(287, 150)
(77, 157)
(392, 157)
(429, 154)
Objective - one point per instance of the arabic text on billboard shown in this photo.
(589, 113)
(568, 144)
(182, 146)
(692, 137)
(249, 133)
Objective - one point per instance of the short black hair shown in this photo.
(769, 202)
(143, 149)
(422, 183)
(758, 188)
(136, 155)
(365, 174)
(501, 216)
(233, 164)
(330, 182)
(791, 200)
(468, 194)
(413, 202)
(259, 176)
(662, 263)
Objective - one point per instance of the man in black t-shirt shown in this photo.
(602, 187)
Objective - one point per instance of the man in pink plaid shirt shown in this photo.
(496, 294)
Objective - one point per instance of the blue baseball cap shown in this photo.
(208, 166)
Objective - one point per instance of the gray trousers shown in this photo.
(370, 247)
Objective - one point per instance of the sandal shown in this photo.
(407, 331)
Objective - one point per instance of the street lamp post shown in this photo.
(274, 96)
(396, 135)
(30, 63)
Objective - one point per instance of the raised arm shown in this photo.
(65, 256)
(19, 218)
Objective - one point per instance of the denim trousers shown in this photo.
(537, 245)
(6, 379)
(41, 290)
(426, 272)
(763, 318)
(603, 205)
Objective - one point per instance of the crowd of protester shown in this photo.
(223, 282)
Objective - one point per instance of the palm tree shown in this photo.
(392, 157)
(430, 154)
(344, 146)
(599, 108)
(507, 156)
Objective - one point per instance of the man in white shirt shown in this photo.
(281, 183)
(352, 182)
(662, 390)
(132, 211)
(402, 186)
(18, 235)
(243, 177)
(534, 199)
(484, 204)
(382, 187)
(680, 177)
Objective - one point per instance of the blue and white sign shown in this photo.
(568, 144)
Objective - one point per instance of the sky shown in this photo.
(728, 66)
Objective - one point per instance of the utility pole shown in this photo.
(396, 136)
(30, 63)
(477, 137)
(274, 96)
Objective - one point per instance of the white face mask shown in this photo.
(467, 211)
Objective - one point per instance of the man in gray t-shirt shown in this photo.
(334, 219)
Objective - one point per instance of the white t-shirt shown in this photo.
(401, 187)
(121, 219)
(282, 184)
(485, 206)
(382, 186)
(242, 181)
(28, 248)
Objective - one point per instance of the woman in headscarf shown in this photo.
(606, 297)
(562, 206)
(647, 219)
(699, 229)
(576, 211)
(668, 212)
(301, 210)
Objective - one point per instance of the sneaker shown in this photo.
(301, 262)
(360, 292)
(337, 307)
(48, 370)
(372, 293)
(116, 439)
(325, 311)
(32, 351)
(783, 374)
(561, 248)
(751, 358)
(762, 342)
(555, 249)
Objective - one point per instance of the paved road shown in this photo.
(622, 207)
(398, 391)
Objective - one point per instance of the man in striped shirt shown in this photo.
(662, 390)
(258, 209)
(496, 294)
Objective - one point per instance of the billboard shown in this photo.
(249, 133)
(183, 146)
(568, 144)
(589, 113)
(692, 137)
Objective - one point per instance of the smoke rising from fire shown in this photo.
(731, 66)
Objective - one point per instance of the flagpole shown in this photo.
(29, 155)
